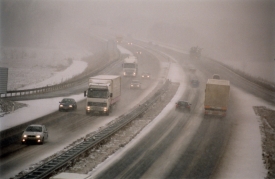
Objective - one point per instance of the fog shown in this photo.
(225, 29)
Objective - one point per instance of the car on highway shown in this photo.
(35, 133)
(195, 83)
(145, 75)
(192, 70)
(139, 52)
(67, 104)
(182, 105)
(135, 84)
(216, 76)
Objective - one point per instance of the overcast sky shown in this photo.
(235, 29)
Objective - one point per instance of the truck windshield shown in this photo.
(97, 93)
(129, 65)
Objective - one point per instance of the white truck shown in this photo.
(130, 66)
(216, 97)
(103, 92)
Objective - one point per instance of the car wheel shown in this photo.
(42, 141)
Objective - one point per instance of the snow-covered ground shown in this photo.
(30, 67)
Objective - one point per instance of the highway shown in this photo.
(180, 145)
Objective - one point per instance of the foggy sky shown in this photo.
(233, 29)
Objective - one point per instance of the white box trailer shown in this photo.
(216, 97)
(102, 93)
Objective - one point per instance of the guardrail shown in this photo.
(68, 157)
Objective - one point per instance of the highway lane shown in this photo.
(183, 146)
(64, 128)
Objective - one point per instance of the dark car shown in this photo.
(216, 76)
(145, 75)
(135, 84)
(35, 133)
(67, 104)
(195, 83)
(183, 106)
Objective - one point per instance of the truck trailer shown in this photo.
(216, 97)
(130, 66)
(102, 94)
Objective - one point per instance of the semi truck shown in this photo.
(130, 66)
(216, 97)
(102, 94)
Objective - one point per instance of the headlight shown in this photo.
(88, 108)
(38, 136)
(134, 73)
(104, 109)
(24, 135)
(61, 105)
(132, 85)
(124, 73)
(70, 106)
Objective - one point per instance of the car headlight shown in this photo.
(37, 136)
(70, 106)
(132, 85)
(61, 105)
(24, 135)
(134, 73)
(104, 109)
(124, 73)
(88, 108)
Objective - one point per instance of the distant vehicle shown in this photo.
(192, 70)
(216, 97)
(103, 93)
(216, 76)
(195, 83)
(35, 133)
(195, 53)
(182, 105)
(130, 43)
(119, 39)
(138, 52)
(130, 66)
(67, 104)
(145, 75)
(135, 84)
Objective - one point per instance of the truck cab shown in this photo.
(103, 92)
(130, 66)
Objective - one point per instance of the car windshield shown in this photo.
(67, 101)
(182, 103)
(34, 129)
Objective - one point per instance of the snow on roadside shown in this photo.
(29, 66)
(34, 110)
(77, 67)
